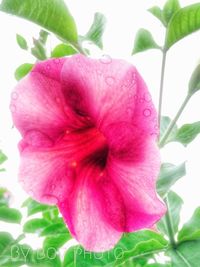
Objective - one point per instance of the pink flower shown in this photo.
(88, 145)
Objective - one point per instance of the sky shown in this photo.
(124, 18)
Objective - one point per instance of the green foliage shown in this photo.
(131, 246)
(45, 258)
(96, 31)
(186, 254)
(34, 207)
(165, 122)
(53, 15)
(56, 241)
(35, 225)
(23, 70)
(194, 83)
(156, 11)
(21, 42)
(158, 265)
(3, 158)
(180, 22)
(169, 174)
(170, 8)
(39, 49)
(144, 41)
(187, 133)
(183, 23)
(5, 241)
(53, 229)
(184, 135)
(10, 215)
(174, 203)
(63, 50)
(191, 230)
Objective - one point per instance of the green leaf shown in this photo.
(39, 48)
(6, 240)
(21, 42)
(35, 226)
(131, 246)
(38, 51)
(170, 8)
(34, 207)
(169, 174)
(144, 41)
(23, 70)
(187, 133)
(194, 83)
(183, 23)
(2, 157)
(174, 203)
(157, 12)
(17, 255)
(57, 228)
(10, 215)
(46, 258)
(52, 15)
(56, 241)
(186, 255)
(63, 50)
(158, 265)
(165, 122)
(96, 31)
(191, 230)
(43, 36)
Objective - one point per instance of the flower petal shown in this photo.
(135, 178)
(45, 173)
(102, 90)
(94, 210)
(112, 93)
(37, 101)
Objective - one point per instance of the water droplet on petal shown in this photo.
(14, 95)
(48, 67)
(12, 108)
(147, 112)
(141, 101)
(57, 61)
(136, 98)
(110, 80)
(99, 72)
(147, 97)
(123, 87)
(106, 59)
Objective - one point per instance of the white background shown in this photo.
(124, 18)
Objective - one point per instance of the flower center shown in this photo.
(88, 146)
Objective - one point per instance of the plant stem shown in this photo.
(79, 48)
(173, 122)
(161, 85)
(169, 225)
